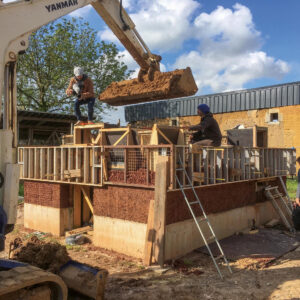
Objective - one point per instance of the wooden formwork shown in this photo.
(211, 165)
(64, 164)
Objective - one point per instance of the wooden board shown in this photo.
(149, 235)
(159, 222)
(77, 206)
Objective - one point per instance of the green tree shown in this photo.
(44, 71)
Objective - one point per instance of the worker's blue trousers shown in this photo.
(90, 102)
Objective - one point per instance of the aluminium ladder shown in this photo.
(273, 194)
(204, 218)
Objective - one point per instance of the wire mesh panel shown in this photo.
(133, 165)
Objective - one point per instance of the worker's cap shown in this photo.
(78, 71)
(204, 108)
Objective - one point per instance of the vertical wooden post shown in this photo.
(86, 212)
(77, 206)
(159, 222)
(254, 130)
(149, 235)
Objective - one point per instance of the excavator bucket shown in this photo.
(167, 85)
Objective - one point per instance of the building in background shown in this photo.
(42, 128)
(273, 112)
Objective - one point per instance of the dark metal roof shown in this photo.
(38, 114)
(249, 99)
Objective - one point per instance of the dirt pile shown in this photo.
(167, 85)
(47, 256)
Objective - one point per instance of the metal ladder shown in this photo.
(273, 194)
(204, 218)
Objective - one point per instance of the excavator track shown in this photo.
(16, 283)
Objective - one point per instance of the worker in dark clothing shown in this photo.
(296, 210)
(298, 186)
(208, 131)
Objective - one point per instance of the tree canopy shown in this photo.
(44, 71)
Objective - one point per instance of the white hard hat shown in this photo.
(78, 71)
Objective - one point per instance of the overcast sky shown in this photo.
(229, 45)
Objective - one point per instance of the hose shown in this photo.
(125, 26)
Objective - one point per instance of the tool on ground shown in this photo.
(201, 220)
(281, 203)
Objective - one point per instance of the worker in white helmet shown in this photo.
(82, 86)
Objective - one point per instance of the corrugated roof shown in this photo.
(38, 114)
(249, 99)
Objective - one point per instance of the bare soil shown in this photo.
(164, 86)
(45, 255)
(191, 277)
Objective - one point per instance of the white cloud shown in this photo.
(81, 12)
(226, 46)
(163, 24)
(228, 54)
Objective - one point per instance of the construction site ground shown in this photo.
(191, 277)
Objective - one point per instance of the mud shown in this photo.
(124, 203)
(47, 256)
(47, 194)
(132, 177)
(178, 83)
(215, 199)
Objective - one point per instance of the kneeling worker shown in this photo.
(82, 86)
(208, 131)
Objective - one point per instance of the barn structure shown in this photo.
(273, 110)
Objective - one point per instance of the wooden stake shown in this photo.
(160, 196)
(77, 206)
(149, 235)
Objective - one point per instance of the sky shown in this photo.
(229, 45)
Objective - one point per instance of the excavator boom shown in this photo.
(156, 85)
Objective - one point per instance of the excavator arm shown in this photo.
(20, 18)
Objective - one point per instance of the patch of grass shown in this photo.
(187, 262)
(75, 248)
(16, 229)
(291, 184)
(21, 189)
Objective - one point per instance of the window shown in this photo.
(174, 122)
(274, 117)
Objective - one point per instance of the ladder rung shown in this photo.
(277, 195)
(194, 202)
(210, 239)
(180, 169)
(202, 219)
(219, 257)
(271, 188)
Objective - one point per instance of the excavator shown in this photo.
(18, 19)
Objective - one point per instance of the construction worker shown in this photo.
(82, 86)
(298, 186)
(296, 210)
(208, 131)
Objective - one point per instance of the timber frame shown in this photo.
(148, 158)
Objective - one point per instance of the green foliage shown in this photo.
(21, 189)
(291, 184)
(45, 69)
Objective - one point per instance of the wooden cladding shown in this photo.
(209, 165)
(82, 165)
(135, 165)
